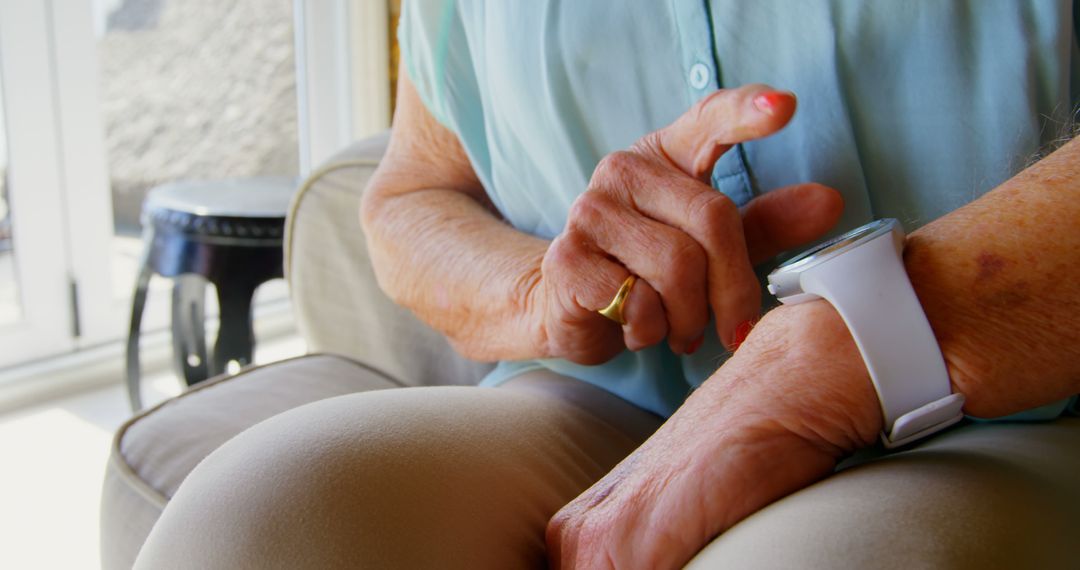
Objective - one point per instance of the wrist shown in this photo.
(733, 458)
(801, 368)
(497, 320)
(530, 308)
(774, 419)
(754, 464)
(718, 459)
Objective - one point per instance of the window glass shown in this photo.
(192, 89)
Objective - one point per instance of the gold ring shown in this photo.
(614, 310)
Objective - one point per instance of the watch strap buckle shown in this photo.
(924, 420)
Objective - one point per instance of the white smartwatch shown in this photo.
(862, 274)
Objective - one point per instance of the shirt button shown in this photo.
(699, 76)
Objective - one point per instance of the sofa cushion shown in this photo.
(153, 452)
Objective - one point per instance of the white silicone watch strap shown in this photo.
(870, 289)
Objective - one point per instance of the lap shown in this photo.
(414, 477)
(468, 477)
(982, 496)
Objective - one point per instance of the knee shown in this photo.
(348, 481)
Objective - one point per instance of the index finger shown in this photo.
(690, 146)
(695, 141)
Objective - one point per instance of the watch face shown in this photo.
(837, 244)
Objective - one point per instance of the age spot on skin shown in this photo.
(994, 293)
(990, 265)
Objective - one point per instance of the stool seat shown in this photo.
(258, 197)
(225, 232)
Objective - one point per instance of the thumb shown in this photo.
(696, 139)
(788, 217)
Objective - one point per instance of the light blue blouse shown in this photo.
(911, 109)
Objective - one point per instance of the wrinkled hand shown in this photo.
(793, 399)
(650, 211)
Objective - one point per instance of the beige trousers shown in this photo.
(459, 477)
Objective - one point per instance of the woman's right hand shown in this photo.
(650, 211)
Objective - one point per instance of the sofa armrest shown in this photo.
(336, 300)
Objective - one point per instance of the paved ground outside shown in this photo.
(196, 89)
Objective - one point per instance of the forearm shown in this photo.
(437, 247)
(446, 258)
(999, 280)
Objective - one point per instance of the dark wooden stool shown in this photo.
(225, 232)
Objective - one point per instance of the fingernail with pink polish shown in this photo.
(741, 332)
(694, 346)
(770, 101)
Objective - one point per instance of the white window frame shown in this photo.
(88, 196)
(369, 50)
(342, 66)
(34, 170)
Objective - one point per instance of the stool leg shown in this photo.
(189, 329)
(236, 338)
(142, 283)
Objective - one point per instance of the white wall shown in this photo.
(343, 85)
(370, 70)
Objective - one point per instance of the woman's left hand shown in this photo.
(794, 398)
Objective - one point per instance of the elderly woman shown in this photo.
(582, 191)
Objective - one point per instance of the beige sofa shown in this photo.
(353, 332)
(985, 495)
